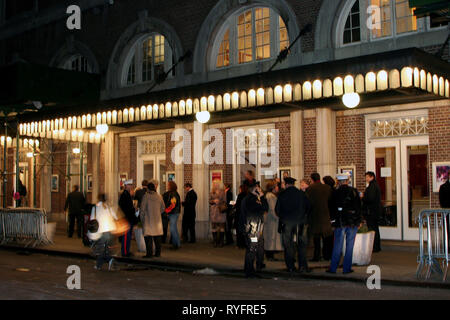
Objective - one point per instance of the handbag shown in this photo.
(92, 225)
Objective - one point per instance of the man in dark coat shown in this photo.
(75, 202)
(319, 223)
(292, 209)
(188, 223)
(229, 226)
(346, 218)
(372, 208)
(126, 204)
(141, 193)
(444, 194)
(251, 224)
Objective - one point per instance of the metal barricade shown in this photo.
(434, 255)
(23, 225)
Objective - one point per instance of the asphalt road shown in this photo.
(40, 276)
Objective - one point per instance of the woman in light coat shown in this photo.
(272, 239)
(218, 213)
(102, 239)
(150, 212)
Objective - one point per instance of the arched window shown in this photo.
(249, 35)
(78, 62)
(148, 57)
(367, 20)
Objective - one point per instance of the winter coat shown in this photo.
(252, 215)
(372, 200)
(150, 212)
(126, 204)
(105, 218)
(75, 202)
(444, 195)
(346, 207)
(319, 197)
(238, 206)
(168, 196)
(189, 205)
(272, 239)
(292, 206)
(216, 215)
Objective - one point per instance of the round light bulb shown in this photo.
(76, 150)
(351, 100)
(203, 116)
(102, 128)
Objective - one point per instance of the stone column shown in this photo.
(200, 179)
(95, 171)
(112, 169)
(45, 181)
(326, 141)
(297, 157)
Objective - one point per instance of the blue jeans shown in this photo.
(350, 233)
(173, 219)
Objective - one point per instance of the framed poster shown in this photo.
(216, 176)
(351, 170)
(284, 173)
(170, 176)
(89, 183)
(55, 183)
(441, 172)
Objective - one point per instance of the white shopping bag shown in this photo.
(362, 249)
(139, 236)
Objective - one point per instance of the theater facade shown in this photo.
(349, 96)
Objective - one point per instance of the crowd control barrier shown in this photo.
(24, 225)
(433, 241)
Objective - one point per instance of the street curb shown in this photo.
(190, 267)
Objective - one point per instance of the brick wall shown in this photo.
(310, 145)
(439, 133)
(350, 145)
(127, 157)
(284, 142)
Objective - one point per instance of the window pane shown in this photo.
(147, 53)
(405, 19)
(352, 29)
(385, 18)
(284, 38)
(347, 36)
(262, 29)
(131, 76)
(223, 57)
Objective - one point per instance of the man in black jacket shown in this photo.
(75, 202)
(444, 194)
(188, 223)
(292, 208)
(346, 218)
(126, 204)
(372, 208)
(251, 224)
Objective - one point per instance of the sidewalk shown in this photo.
(398, 261)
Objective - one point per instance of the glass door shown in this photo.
(151, 167)
(384, 159)
(415, 179)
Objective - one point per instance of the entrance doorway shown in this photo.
(401, 166)
(152, 167)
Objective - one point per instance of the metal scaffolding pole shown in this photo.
(17, 164)
(34, 174)
(5, 179)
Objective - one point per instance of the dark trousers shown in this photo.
(188, 226)
(165, 223)
(149, 245)
(125, 240)
(372, 224)
(327, 247)
(291, 247)
(228, 228)
(79, 220)
(254, 251)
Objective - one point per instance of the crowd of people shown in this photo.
(282, 218)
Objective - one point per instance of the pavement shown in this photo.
(397, 261)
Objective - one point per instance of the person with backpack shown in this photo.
(346, 218)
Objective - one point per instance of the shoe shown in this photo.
(351, 271)
(304, 270)
(329, 271)
(259, 269)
